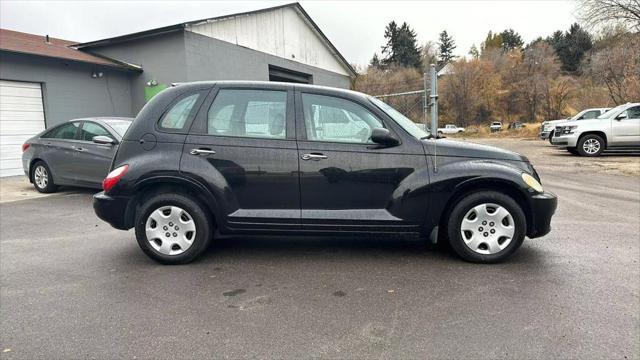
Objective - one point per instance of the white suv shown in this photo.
(548, 127)
(618, 128)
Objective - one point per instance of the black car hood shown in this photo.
(445, 147)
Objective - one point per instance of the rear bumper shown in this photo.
(543, 206)
(113, 210)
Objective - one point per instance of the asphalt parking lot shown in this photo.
(72, 287)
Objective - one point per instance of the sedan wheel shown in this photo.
(170, 230)
(487, 229)
(41, 178)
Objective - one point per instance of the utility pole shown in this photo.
(425, 101)
(434, 101)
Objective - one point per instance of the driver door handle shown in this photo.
(202, 152)
(77, 148)
(313, 156)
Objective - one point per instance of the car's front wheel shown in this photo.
(591, 145)
(173, 228)
(42, 179)
(551, 138)
(486, 227)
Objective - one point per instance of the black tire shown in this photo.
(199, 215)
(550, 137)
(469, 202)
(573, 151)
(50, 185)
(594, 139)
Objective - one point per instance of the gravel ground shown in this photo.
(72, 287)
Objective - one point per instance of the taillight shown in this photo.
(25, 147)
(114, 176)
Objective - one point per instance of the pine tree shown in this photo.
(571, 46)
(474, 52)
(491, 42)
(375, 61)
(401, 48)
(447, 45)
(511, 40)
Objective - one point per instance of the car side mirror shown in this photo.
(104, 140)
(621, 116)
(384, 137)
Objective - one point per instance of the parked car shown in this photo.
(547, 128)
(516, 125)
(495, 126)
(78, 153)
(194, 163)
(450, 129)
(618, 128)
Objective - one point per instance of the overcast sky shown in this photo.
(356, 28)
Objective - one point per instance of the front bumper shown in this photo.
(544, 135)
(564, 140)
(543, 206)
(112, 209)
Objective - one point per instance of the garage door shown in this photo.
(21, 117)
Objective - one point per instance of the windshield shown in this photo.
(611, 112)
(407, 124)
(120, 126)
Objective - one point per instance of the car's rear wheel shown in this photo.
(486, 227)
(173, 228)
(591, 145)
(42, 179)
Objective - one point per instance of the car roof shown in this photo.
(103, 118)
(276, 84)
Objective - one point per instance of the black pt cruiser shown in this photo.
(277, 158)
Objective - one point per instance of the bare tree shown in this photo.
(618, 68)
(606, 12)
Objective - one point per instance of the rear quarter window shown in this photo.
(180, 113)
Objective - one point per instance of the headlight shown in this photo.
(532, 182)
(569, 129)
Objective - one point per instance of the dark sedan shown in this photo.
(77, 153)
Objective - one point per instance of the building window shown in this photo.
(285, 75)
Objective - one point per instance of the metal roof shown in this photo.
(182, 26)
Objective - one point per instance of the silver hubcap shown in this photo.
(41, 177)
(170, 230)
(487, 228)
(591, 146)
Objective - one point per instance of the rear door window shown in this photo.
(248, 113)
(64, 132)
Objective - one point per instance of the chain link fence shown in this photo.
(412, 104)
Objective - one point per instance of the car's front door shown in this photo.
(92, 161)
(243, 145)
(626, 128)
(346, 181)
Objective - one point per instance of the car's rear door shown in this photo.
(242, 144)
(57, 150)
(348, 183)
(92, 161)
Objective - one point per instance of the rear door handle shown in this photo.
(316, 157)
(202, 152)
